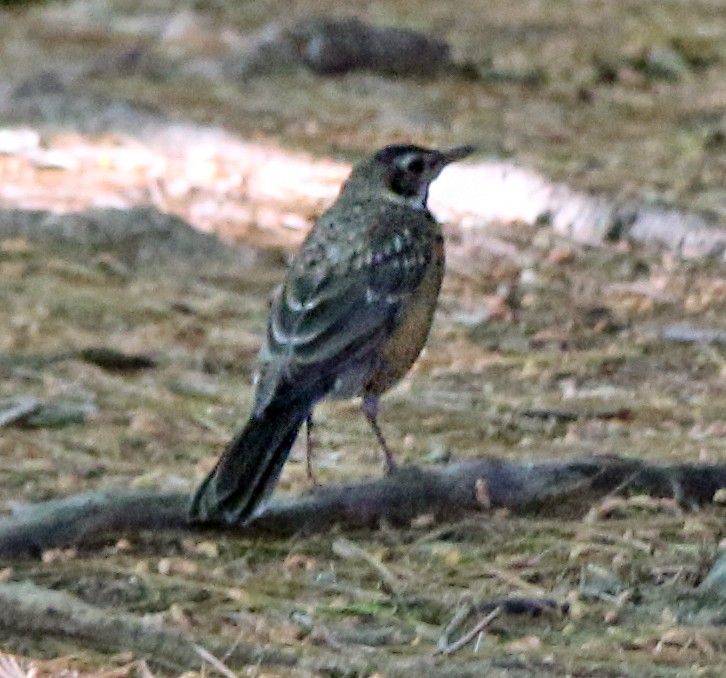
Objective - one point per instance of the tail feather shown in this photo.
(249, 468)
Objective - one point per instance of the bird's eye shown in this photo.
(414, 164)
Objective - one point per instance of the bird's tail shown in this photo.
(249, 468)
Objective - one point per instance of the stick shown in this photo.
(445, 493)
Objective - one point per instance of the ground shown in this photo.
(136, 109)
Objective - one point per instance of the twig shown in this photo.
(462, 612)
(344, 548)
(472, 633)
(216, 663)
(715, 581)
(15, 409)
(689, 334)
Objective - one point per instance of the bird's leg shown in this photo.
(369, 407)
(309, 446)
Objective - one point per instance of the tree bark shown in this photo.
(444, 492)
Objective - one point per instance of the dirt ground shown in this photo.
(122, 104)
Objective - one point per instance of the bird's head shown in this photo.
(403, 172)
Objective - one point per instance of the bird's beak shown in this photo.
(454, 154)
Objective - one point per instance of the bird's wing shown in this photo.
(329, 315)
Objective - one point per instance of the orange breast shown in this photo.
(405, 343)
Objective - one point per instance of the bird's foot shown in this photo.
(370, 410)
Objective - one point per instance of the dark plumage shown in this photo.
(350, 319)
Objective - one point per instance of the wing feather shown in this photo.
(331, 314)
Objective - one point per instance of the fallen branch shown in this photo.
(35, 611)
(444, 493)
(81, 518)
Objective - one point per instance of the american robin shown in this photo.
(350, 319)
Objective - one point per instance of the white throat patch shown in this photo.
(417, 202)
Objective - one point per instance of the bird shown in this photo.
(349, 320)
